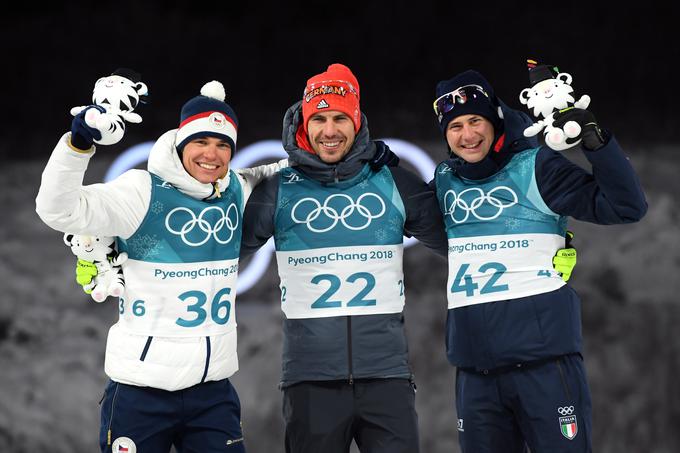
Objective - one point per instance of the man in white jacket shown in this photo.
(171, 352)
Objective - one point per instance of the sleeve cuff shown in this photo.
(76, 149)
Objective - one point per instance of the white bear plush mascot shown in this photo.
(102, 252)
(551, 92)
(118, 95)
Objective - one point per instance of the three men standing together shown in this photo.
(338, 215)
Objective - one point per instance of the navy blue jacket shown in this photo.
(504, 333)
(343, 347)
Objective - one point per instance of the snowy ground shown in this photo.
(52, 336)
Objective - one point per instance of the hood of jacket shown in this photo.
(362, 150)
(165, 162)
(512, 141)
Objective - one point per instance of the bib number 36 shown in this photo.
(220, 307)
(463, 282)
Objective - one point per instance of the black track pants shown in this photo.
(379, 414)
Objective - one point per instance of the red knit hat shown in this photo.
(335, 89)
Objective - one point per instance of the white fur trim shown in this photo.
(214, 90)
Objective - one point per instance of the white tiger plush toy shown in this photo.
(551, 92)
(118, 94)
(101, 251)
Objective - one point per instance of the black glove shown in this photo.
(383, 156)
(82, 135)
(592, 136)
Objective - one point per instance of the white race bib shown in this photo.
(490, 268)
(179, 299)
(340, 281)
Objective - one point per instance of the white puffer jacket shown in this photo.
(117, 208)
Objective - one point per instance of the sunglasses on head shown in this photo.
(447, 102)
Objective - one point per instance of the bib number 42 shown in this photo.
(464, 283)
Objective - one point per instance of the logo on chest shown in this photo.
(355, 215)
(212, 222)
(481, 205)
(292, 178)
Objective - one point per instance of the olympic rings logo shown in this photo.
(459, 203)
(228, 219)
(566, 410)
(335, 216)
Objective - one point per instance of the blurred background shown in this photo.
(52, 335)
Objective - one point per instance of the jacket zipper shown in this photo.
(349, 318)
(349, 350)
(207, 359)
(146, 349)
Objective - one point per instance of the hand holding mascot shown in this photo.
(114, 98)
(551, 94)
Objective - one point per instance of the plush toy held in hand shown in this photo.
(117, 95)
(550, 93)
(101, 251)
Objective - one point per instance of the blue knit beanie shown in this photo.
(474, 103)
(207, 115)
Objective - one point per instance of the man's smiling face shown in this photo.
(331, 135)
(206, 158)
(470, 137)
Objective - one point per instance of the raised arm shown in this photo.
(116, 208)
(611, 194)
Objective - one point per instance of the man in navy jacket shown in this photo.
(513, 326)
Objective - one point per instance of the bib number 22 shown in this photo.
(357, 301)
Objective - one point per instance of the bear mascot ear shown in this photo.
(68, 237)
(142, 91)
(524, 96)
(564, 77)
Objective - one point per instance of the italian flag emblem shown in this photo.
(568, 426)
